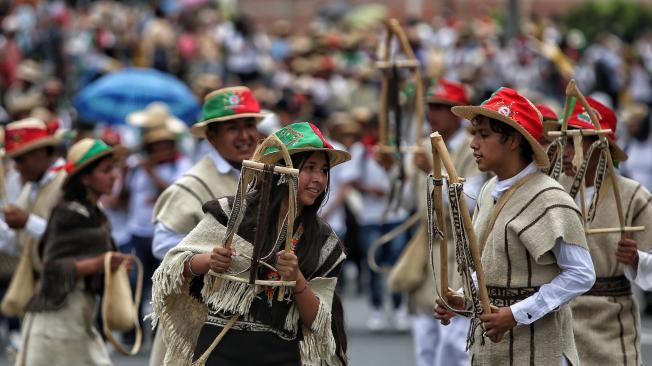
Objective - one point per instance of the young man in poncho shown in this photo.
(606, 319)
(534, 257)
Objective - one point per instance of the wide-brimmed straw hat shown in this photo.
(607, 119)
(156, 115)
(29, 70)
(227, 104)
(85, 152)
(508, 106)
(29, 134)
(447, 92)
(304, 136)
(158, 135)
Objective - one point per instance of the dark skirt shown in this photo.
(240, 347)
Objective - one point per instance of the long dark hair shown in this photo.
(75, 190)
(314, 228)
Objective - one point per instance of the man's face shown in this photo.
(235, 140)
(489, 151)
(32, 165)
(442, 119)
(569, 153)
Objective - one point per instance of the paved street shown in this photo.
(367, 349)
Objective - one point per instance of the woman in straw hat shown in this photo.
(59, 327)
(606, 319)
(293, 331)
(534, 251)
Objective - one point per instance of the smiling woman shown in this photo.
(259, 326)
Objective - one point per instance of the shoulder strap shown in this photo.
(499, 207)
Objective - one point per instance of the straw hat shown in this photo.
(304, 136)
(157, 135)
(29, 134)
(508, 106)
(86, 151)
(607, 119)
(227, 104)
(29, 70)
(156, 115)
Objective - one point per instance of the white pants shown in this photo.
(438, 345)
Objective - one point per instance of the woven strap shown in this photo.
(555, 153)
(136, 301)
(508, 296)
(610, 286)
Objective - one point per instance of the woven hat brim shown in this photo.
(199, 129)
(470, 112)
(117, 150)
(335, 157)
(46, 141)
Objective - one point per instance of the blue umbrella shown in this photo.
(112, 97)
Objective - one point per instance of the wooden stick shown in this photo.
(439, 211)
(610, 230)
(579, 132)
(574, 91)
(438, 142)
(277, 169)
(258, 282)
(401, 64)
(384, 91)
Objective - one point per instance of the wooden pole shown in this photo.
(438, 143)
(441, 222)
(574, 91)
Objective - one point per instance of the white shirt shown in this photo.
(143, 194)
(166, 238)
(576, 270)
(35, 225)
(372, 175)
(338, 177)
(641, 275)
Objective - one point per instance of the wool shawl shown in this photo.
(179, 207)
(75, 231)
(607, 328)
(517, 259)
(182, 315)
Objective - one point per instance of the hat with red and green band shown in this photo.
(227, 104)
(85, 152)
(304, 136)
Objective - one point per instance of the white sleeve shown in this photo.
(8, 240)
(35, 226)
(577, 276)
(642, 275)
(164, 240)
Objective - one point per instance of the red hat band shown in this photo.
(447, 91)
(511, 104)
(17, 138)
(546, 112)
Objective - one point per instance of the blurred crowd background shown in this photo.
(56, 58)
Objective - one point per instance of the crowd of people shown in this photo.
(68, 182)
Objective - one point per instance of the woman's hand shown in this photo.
(220, 259)
(287, 265)
(116, 260)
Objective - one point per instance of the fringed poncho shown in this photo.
(182, 315)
